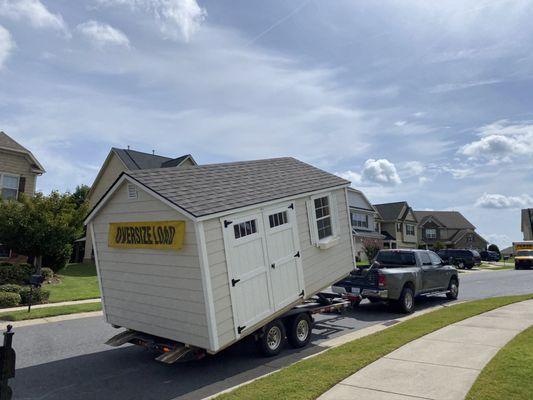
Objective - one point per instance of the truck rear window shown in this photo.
(393, 258)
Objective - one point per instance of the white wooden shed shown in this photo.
(205, 255)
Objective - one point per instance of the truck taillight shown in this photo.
(382, 280)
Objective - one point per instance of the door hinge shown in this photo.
(227, 223)
(302, 294)
(234, 281)
(297, 254)
(291, 206)
(241, 328)
(273, 265)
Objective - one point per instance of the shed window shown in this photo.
(278, 219)
(245, 228)
(323, 217)
(9, 185)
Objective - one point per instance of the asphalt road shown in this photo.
(67, 360)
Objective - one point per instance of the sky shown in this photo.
(428, 102)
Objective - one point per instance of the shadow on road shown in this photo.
(131, 372)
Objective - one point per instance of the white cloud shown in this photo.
(501, 141)
(6, 45)
(459, 173)
(501, 240)
(380, 171)
(101, 34)
(400, 123)
(413, 168)
(177, 19)
(34, 11)
(488, 200)
(352, 176)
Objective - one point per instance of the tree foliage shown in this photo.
(42, 226)
(495, 248)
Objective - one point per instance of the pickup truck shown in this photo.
(399, 276)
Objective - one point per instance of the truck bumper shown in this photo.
(377, 293)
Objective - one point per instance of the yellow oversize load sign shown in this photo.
(161, 235)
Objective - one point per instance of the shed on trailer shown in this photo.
(205, 255)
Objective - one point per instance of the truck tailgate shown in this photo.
(360, 279)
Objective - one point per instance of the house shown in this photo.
(398, 225)
(19, 170)
(507, 252)
(527, 223)
(121, 160)
(448, 228)
(366, 223)
(206, 255)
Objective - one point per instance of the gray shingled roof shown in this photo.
(209, 189)
(450, 219)
(135, 160)
(8, 143)
(390, 211)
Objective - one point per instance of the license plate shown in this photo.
(356, 290)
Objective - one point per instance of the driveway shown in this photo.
(67, 360)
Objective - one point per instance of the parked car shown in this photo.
(487, 255)
(399, 276)
(461, 258)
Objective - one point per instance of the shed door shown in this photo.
(249, 280)
(283, 254)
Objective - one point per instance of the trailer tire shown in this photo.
(299, 330)
(271, 341)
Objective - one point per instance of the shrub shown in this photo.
(8, 299)
(38, 296)
(10, 288)
(47, 273)
(59, 259)
(17, 274)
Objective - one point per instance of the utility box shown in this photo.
(205, 255)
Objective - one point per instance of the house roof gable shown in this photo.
(391, 211)
(449, 219)
(8, 143)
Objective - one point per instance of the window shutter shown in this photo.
(22, 186)
(313, 234)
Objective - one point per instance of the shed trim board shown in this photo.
(206, 286)
(350, 219)
(98, 274)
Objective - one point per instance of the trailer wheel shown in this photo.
(272, 339)
(299, 330)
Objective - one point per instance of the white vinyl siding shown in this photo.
(154, 291)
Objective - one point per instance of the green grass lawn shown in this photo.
(78, 282)
(49, 312)
(508, 375)
(308, 379)
(497, 268)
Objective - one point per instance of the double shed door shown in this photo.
(264, 263)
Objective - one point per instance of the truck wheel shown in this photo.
(461, 265)
(299, 330)
(406, 302)
(453, 289)
(271, 342)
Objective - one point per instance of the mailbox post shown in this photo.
(7, 364)
(35, 282)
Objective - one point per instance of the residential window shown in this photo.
(398, 227)
(359, 220)
(376, 227)
(9, 185)
(410, 230)
(470, 238)
(431, 233)
(323, 217)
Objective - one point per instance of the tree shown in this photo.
(42, 226)
(80, 195)
(438, 246)
(495, 248)
(371, 248)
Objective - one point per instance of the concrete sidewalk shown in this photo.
(440, 366)
(46, 305)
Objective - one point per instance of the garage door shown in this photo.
(264, 263)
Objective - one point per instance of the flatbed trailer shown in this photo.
(295, 325)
